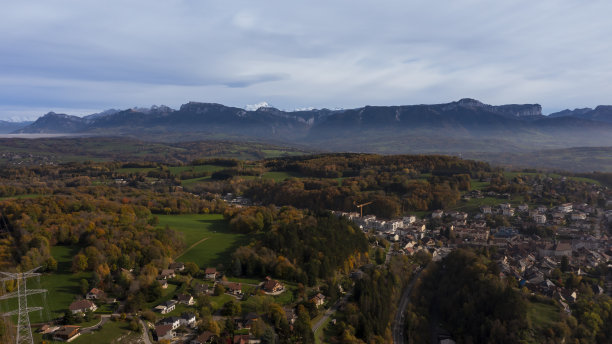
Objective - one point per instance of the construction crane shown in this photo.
(360, 206)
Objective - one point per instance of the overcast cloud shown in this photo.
(80, 57)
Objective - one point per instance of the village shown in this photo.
(580, 243)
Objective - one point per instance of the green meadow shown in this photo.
(207, 237)
(62, 288)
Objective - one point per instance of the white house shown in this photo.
(437, 214)
(166, 307)
(539, 218)
(82, 306)
(175, 322)
(565, 208)
(188, 319)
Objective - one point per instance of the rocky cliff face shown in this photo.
(466, 116)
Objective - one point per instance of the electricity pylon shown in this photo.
(24, 332)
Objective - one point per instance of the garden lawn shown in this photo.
(215, 241)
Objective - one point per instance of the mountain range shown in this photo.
(455, 127)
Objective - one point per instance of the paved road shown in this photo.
(103, 319)
(398, 322)
(145, 332)
(329, 312)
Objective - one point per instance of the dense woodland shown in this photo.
(296, 245)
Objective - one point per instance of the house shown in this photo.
(408, 220)
(539, 218)
(95, 294)
(177, 266)
(508, 211)
(249, 320)
(555, 250)
(233, 288)
(437, 214)
(205, 337)
(163, 283)
(188, 319)
(523, 207)
(186, 299)
(272, 286)
(578, 216)
(164, 332)
(82, 306)
(200, 288)
(167, 274)
(46, 329)
(565, 208)
(318, 299)
(166, 307)
(175, 322)
(66, 333)
(211, 273)
(486, 209)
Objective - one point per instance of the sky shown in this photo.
(82, 57)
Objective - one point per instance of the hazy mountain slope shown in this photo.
(464, 125)
(9, 127)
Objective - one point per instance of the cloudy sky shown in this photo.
(80, 57)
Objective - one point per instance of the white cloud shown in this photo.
(347, 53)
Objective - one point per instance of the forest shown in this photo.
(296, 245)
(464, 296)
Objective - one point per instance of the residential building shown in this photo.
(211, 273)
(166, 307)
(66, 333)
(272, 286)
(95, 294)
(82, 306)
(186, 299)
(164, 332)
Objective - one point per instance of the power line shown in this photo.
(24, 332)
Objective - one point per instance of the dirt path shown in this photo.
(190, 247)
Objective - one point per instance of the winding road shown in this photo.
(398, 322)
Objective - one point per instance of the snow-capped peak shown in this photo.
(254, 107)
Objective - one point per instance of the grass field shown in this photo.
(219, 242)
(542, 315)
(62, 286)
(20, 196)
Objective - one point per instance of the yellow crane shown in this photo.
(360, 206)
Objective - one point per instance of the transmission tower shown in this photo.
(24, 332)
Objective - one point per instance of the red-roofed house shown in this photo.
(82, 306)
(272, 286)
(95, 294)
(164, 332)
